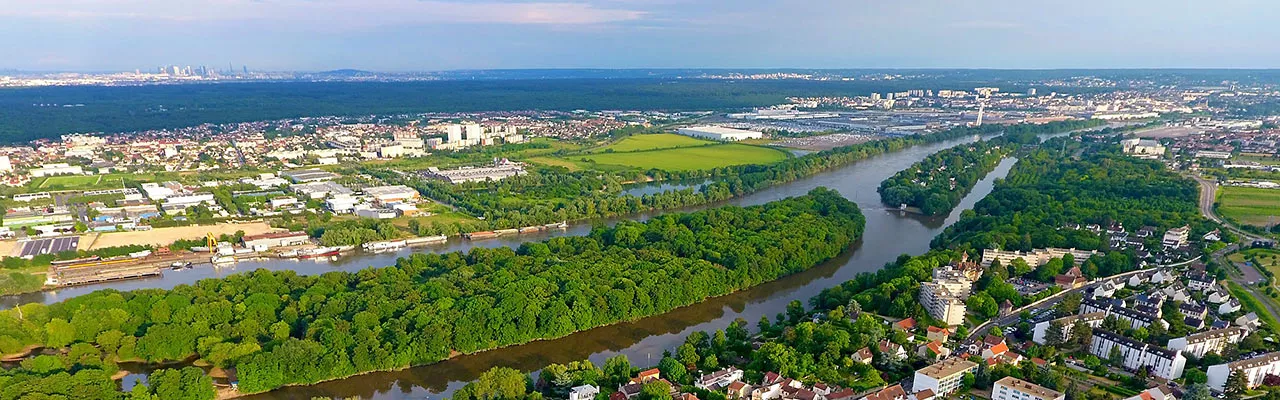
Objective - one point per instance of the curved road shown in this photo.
(1244, 275)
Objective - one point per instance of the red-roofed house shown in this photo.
(938, 334)
(933, 350)
(907, 325)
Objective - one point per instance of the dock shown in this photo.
(100, 271)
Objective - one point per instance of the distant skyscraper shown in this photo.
(1031, 92)
(454, 133)
(5, 166)
(875, 96)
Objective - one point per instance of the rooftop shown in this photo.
(947, 368)
(1038, 391)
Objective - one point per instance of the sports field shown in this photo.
(1252, 206)
(689, 158)
(70, 182)
(653, 142)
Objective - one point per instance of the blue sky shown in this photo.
(419, 35)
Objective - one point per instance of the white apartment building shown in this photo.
(1199, 344)
(56, 169)
(1176, 237)
(1010, 388)
(1164, 363)
(719, 133)
(1254, 370)
(1039, 333)
(584, 392)
(942, 303)
(1133, 318)
(943, 377)
(1035, 257)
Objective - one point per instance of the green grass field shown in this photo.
(70, 182)
(653, 142)
(1252, 206)
(1268, 258)
(689, 158)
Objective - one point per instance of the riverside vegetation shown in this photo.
(278, 328)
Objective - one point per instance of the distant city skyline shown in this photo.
(432, 35)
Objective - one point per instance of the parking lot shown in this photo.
(49, 246)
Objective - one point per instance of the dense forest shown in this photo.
(936, 184)
(1047, 190)
(278, 328)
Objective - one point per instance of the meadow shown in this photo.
(688, 158)
(652, 142)
(1252, 206)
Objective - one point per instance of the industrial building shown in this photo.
(720, 133)
(308, 175)
(1035, 257)
(392, 194)
(274, 239)
(320, 190)
(476, 174)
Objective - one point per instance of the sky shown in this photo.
(427, 35)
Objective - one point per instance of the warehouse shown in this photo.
(392, 194)
(719, 133)
(308, 175)
(274, 239)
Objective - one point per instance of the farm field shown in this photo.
(1252, 206)
(653, 142)
(690, 158)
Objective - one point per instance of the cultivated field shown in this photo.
(690, 158)
(1253, 206)
(166, 236)
(653, 142)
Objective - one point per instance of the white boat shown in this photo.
(426, 239)
(223, 260)
(288, 254)
(318, 252)
(385, 245)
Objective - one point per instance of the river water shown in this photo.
(888, 234)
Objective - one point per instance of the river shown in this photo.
(888, 235)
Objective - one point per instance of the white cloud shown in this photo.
(333, 13)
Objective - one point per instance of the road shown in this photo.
(1244, 275)
(1049, 302)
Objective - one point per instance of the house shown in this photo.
(1130, 316)
(1217, 297)
(631, 391)
(647, 376)
(1249, 321)
(584, 392)
(738, 390)
(943, 377)
(718, 380)
(1006, 308)
(863, 355)
(997, 351)
(894, 392)
(892, 351)
(1072, 279)
(1155, 393)
(1229, 307)
(1160, 277)
(1193, 309)
(1201, 282)
(934, 333)
(933, 350)
(1254, 369)
(1010, 388)
(906, 325)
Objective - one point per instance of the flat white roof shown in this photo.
(719, 130)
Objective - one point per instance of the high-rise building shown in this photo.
(1010, 388)
(453, 133)
(5, 165)
(1031, 92)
